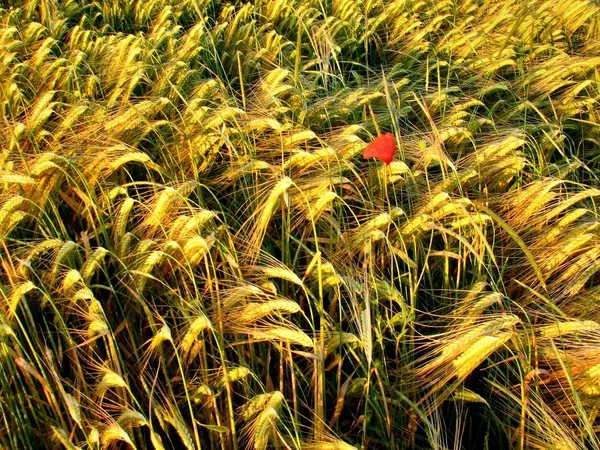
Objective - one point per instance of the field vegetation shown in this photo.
(195, 255)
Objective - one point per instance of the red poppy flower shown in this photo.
(382, 147)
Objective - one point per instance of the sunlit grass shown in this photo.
(196, 255)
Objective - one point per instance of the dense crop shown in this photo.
(196, 255)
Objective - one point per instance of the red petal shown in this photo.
(382, 147)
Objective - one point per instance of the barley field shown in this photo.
(196, 255)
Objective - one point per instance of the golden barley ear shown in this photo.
(470, 340)
(170, 415)
(263, 215)
(261, 415)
